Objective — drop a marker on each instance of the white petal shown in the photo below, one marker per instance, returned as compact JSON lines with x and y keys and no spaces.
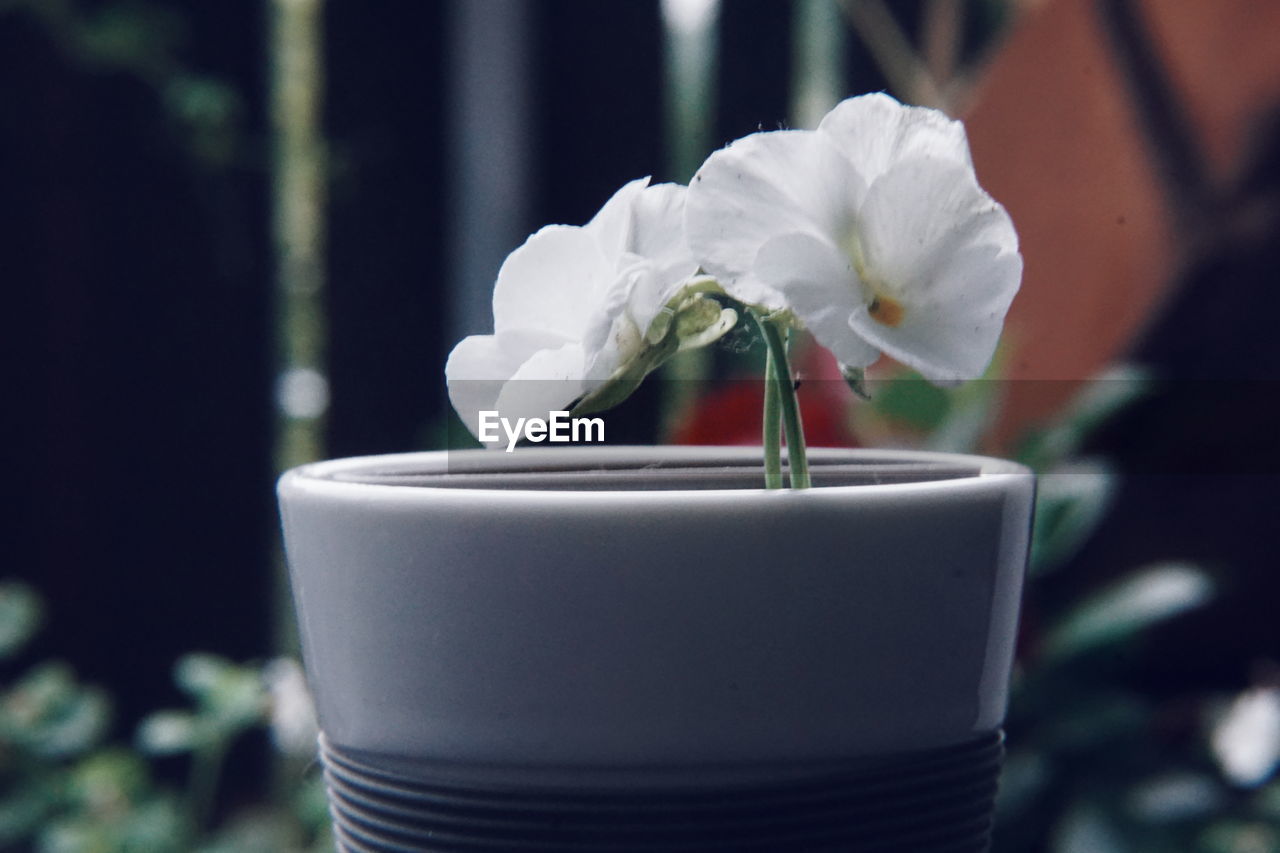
{"x":919,"y":214}
{"x":753,"y":291}
{"x":875,"y":131}
{"x":613,"y":227}
{"x":658,"y":261}
{"x":481,"y":365}
{"x":926,"y":228}
{"x":553,"y":282}
{"x":475,"y":373}
{"x":649,"y":271}
{"x":597,"y":335}
{"x":624,"y":342}
{"x":658,"y":232}
{"x":649,"y":291}
{"x":821,"y":287}
{"x":548,"y":382}
{"x":760,"y":187}
{"x":932,"y":240}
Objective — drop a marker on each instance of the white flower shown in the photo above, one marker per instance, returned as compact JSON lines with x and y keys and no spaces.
{"x":871,"y":230}
{"x":584,"y":313}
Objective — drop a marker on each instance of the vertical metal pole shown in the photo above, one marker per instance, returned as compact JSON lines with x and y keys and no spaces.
{"x":690,"y":57}
{"x":299,"y":203}
{"x":298,"y":229}
{"x":817,"y":60}
{"x":489,"y":151}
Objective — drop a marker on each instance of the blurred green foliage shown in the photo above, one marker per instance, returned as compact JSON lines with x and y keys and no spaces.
{"x":1094,"y":764}
{"x":147,"y":40}
{"x":65,"y":788}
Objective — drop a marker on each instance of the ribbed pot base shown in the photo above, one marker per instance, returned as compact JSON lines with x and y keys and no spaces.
{"x":924,"y":802}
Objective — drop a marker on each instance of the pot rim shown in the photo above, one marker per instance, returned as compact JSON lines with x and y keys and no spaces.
{"x":614,"y":472}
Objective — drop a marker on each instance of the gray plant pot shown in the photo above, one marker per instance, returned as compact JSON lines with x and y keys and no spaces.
{"x":639,"y":649}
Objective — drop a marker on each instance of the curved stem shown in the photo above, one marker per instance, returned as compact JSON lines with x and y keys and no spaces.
{"x":790,"y":409}
{"x":772,"y":436}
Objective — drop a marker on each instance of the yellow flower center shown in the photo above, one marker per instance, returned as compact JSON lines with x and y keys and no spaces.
{"x":886,"y":311}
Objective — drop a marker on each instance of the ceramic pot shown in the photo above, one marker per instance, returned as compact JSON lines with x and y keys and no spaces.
{"x":640,"y":649}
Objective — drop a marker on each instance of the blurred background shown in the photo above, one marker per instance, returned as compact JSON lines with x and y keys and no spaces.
{"x":238,"y":236}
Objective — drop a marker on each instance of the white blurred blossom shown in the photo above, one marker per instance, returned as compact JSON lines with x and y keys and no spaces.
{"x":1246,"y":739}
{"x":292,"y":713}
{"x":302,"y":392}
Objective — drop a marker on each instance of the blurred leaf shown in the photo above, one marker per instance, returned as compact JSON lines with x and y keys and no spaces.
{"x":1139,"y":601}
{"x":1107,"y":394}
{"x":143,"y":39}
{"x":51,"y":715}
{"x":1070,"y":502}
{"x":971,"y":411}
{"x":311,"y":803}
{"x":242,"y":702}
{"x":1023,"y":778}
{"x":230,"y":698}
{"x":154,"y":826}
{"x":1175,"y":797}
{"x":168,"y":732}
{"x":202,"y":100}
{"x":968,"y":418}
{"x":20,"y":616}
{"x":107,"y":801}
{"x":1093,"y":720}
{"x":78,"y":726}
{"x":905,"y":409}
{"x":911,"y":401}
{"x":1268,"y":801}
{"x":109,"y":782}
{"x":1241,"y":837}
{"x":26,"y":808}
{"x":199,"y":674}
{"x":74,"y":836}
{"x":1102,"y":398}
{"x":211,"y":111}
{"x":259,"y":831}
{"x":46,"y":686}
{"x":1086,"y":829}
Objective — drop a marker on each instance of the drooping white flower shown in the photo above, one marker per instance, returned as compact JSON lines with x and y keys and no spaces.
{"x":584,"y":313}
{"x":871,"y":230}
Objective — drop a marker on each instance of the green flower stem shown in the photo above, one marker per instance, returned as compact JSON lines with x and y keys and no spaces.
{"x":772,"y":425}
{"x":786,"y":401}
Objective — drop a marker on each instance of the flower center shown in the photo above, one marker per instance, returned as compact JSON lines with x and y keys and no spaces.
{"x":886,"y":311}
